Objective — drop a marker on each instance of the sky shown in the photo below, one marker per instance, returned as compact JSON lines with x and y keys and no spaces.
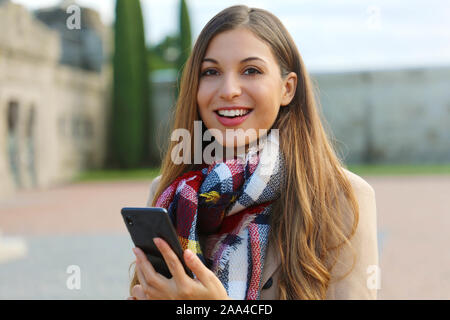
{"x":331,"y":35}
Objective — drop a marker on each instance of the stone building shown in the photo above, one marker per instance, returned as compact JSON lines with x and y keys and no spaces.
{"x":396,"y":116}
{"x":54,"y":89}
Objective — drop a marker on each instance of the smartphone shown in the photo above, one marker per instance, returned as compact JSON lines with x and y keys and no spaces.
{"x":147,"y":223}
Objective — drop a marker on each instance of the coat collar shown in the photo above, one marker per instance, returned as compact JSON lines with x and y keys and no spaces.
{"x":271,"y":263}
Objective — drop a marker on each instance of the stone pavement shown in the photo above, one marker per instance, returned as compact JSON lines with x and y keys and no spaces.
{"x":413,"y":216}
{"x":80,"y":225}
{"x":71,"y":225}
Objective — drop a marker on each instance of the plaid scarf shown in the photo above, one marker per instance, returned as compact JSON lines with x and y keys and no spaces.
{"x":228,"y":205}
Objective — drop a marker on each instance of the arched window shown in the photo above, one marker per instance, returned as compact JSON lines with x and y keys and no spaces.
{"x":30,"y":136}
{"x":13,"y":116}
{"x":29,"y":130}
{"x":13,"y":141}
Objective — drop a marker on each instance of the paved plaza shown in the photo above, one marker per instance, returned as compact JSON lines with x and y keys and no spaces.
{"x":78,"y":227}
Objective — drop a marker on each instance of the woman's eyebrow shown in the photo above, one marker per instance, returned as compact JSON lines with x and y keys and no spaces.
{"x":210,"y":60}
{"x":242,"y":61}
{"x":252,"y":58}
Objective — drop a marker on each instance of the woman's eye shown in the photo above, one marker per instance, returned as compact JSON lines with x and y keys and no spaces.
{"x":251,"y":71}
{"x":209,"y":72}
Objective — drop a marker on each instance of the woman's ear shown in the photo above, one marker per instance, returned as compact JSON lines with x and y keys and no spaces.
{"x":289,"y":87}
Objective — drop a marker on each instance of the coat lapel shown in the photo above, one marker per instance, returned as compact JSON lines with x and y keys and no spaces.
{"x":271,"y":264}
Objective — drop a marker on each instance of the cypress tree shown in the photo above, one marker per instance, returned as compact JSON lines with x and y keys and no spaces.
{"x":142,"y":62}
{"x":130,"y":108}
{"x":184,"y":34}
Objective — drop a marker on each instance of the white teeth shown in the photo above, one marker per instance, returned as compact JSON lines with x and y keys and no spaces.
{"x":233,"y":113}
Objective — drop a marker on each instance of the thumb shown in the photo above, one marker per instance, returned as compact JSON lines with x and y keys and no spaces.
{"x":193,"y":262}
{"x":138,"y":293}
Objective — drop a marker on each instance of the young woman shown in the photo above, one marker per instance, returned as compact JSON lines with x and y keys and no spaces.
{"x":281,"y":220}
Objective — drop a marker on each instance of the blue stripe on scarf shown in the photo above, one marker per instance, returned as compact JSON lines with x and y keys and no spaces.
{"x":250,"y":263}
{"x":262,"y":218}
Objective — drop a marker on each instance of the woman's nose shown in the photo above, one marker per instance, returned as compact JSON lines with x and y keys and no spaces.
{"x":230,"y":87}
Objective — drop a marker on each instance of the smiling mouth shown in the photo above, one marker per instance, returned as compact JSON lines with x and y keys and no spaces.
{"x":233,"y":114}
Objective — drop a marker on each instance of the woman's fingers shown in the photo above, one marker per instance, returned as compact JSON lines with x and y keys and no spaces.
{"x":203,"y":274}
{"x":138,"y":293}
{"x":142,"y":280}
{"x":153,"y":285}
{"x":213,"y":287}
{"x":172,"y":261}
{"x":147,"y":271}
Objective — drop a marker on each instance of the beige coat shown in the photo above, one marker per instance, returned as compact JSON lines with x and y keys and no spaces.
{"x":356,"y":284}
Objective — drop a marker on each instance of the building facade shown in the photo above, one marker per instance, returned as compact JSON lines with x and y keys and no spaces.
{"x":397,"y":116}
{"x":52,"y":110}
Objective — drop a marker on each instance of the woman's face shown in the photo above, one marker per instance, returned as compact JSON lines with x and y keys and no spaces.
{"x":240,"y":74}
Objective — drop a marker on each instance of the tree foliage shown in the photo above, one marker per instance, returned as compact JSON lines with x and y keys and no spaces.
{"x":185,"y":35}
{"x":129,"y":141}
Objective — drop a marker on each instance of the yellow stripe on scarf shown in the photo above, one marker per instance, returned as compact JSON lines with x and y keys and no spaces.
{"x":212,"y":196}
{"x":192,"y":245}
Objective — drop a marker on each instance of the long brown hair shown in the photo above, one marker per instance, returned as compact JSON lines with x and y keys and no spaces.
{"x":310,"y":221}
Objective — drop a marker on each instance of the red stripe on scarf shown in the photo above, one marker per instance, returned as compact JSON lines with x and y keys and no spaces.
{"x":230,"y":222}
{"x":253,"y":289}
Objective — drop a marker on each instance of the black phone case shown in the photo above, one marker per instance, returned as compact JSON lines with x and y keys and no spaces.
{"x":147,"y":223}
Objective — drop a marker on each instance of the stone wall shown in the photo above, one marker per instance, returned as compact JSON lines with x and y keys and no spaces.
{"x":52,"y":116}
{"x":386,"y":116}
{"x":391,"y":116}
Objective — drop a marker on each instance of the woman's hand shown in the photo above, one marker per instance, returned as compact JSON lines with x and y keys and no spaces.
{"x":153,"y":285}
